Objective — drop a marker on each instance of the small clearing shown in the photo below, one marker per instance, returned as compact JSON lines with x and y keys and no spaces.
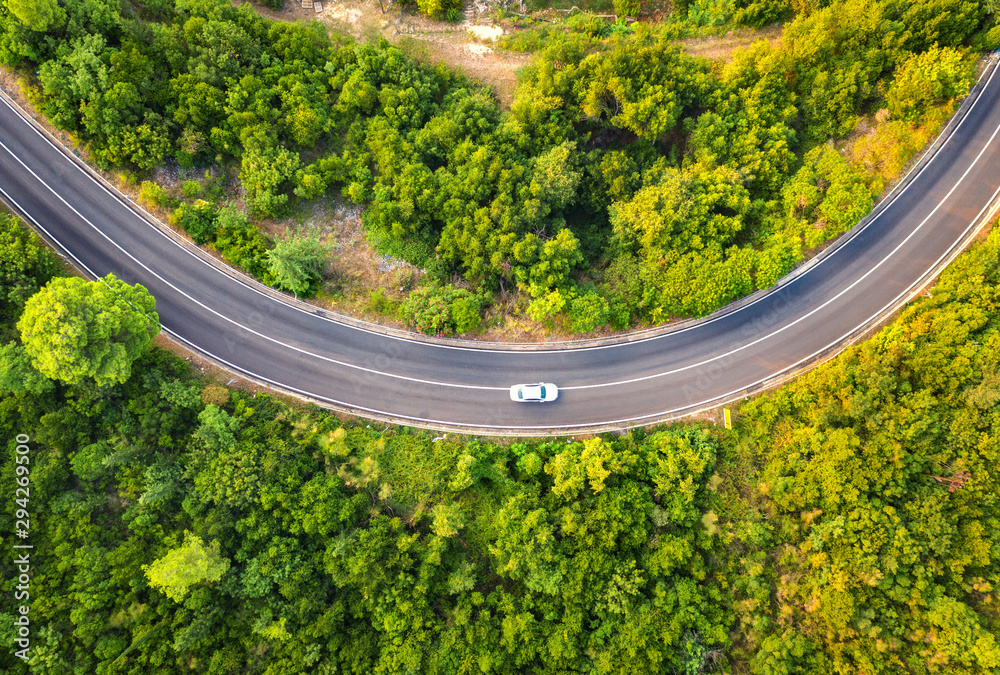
{"x":721,"y":47}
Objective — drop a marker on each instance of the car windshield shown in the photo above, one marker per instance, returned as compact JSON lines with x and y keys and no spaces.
{"x":541,"y":392}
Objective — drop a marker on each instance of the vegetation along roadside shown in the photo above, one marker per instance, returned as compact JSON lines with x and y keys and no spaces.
{"x":629,"y":182}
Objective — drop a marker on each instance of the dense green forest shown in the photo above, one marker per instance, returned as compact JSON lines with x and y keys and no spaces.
{"x":629,"y":182}
{"x":179,"y":526}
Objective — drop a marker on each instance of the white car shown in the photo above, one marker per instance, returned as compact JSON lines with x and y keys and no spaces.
{"x":543,"y":392}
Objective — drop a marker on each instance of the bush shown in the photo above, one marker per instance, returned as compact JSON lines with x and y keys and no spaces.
{"x":937,"y":75}
{"x":265,"y":172}
{"x":618,"y":310}
{"x":437,"y":310}
{"x":465,"y":313}
{"x":587,"y":312}
{"x":191,"y":188}
{"x":380,"y":303}
{"x":762,"y":13}
{"x":776,"y":260}
{"x":588,"y":24}
{"x":710,"y":12}
{"x":627,"y":7}
{"x":243,"y":245}
{"x":992,"y":39}
{"x":548,"y":304}
{"x":881,"y":156}
{"x":438,"y":8}
{"x":151,"y":194}
{"x":198,"y":220}
{"x":827,"y":195}
{"x":297,"y":264}
{"x":428,"y":311}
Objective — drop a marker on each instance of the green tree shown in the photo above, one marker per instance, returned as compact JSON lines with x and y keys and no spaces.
{"x":682,"y":212}
{"x":76,"y":330}
{"x":17,"y":375}
{"x":199,"y":219}
{"x":265,"y":169}
{"x":525,"y":547}
{"x":38,"y":15}
{"x":196,"y":104}
{"x":588,"y":311}
{"x":187,"y":565}
{"x":436,"y":310}
{"x":553,"y":262}
{"x":297,"y":263}
{"x":145,"y":145}
{"x":553,"y":182}
{"x":465,"y":312}
{"x":25,"y":266}
{"x":242,"y":244}
{"x":438,"y":8}
{"x":78,"y":76}
{"x":635,"y":88}
{"x":549,"y":303}
{"x":937,"y":75}
{"x":828,"y":194}
{"x":627,"y":7}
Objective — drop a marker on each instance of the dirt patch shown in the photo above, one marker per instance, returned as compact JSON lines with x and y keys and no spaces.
{"x":348,"y":14}
{"x":479,"y":50}
{"x":721,"y":47}
{"x":485,"y":32}
{"x":355,"y":269}
{"x":712,"y":416}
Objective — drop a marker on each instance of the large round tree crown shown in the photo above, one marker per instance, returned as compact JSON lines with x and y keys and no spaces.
{"x":75,"y":329}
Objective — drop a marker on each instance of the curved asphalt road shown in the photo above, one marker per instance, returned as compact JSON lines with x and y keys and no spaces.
{"x":463,"y":385}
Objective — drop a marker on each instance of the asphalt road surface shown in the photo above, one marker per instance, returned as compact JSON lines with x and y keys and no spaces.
{"x":463,"y":385}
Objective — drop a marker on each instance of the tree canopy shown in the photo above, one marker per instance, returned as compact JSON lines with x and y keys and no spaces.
{"x":189,"y":564}
{"x":297,"y":263}
{"x":38,"y":15}
{"x":76,"y":330}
